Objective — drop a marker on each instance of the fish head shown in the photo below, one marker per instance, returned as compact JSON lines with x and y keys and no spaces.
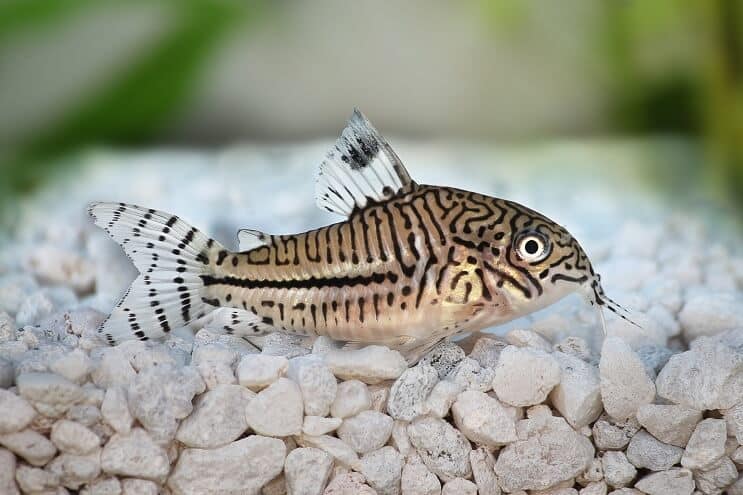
{"x":538,"y":262}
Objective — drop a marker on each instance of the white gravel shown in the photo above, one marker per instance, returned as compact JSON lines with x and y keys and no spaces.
{"x":542,"y":406}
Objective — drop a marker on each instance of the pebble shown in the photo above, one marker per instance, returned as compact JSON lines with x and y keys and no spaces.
{"x":351,"y":398}
{"x":525,"y":376}
{"x":318,"y":425}
{"x":35,"y":480}
{"x":706,"y":377}
{"x":215,"y":363}
{"x":33,"y":447}
{"x":548,"y":452}
{"x":528,"y":338}
{"x":371,"y":364}
{"x":578,"y":395}
{"x":483,"y":471}
{"x":418,"y":480}
{"x":257,"y":371}
{"x":625,"y":385}
{"x":594,"y":488}
{"x":161,"y":396}
{"x":721,"y":474}
{"x":608,"y":434}
{"x":336,"y":447}
{"x":7,"y":473}
{"x":459,"y":486}
{"x":367,"y":431}
{"x":243,"y":466}
{"x":73,"y":438}
{"x":115,"y":410}
{"x":277,"y":411}
{"x":218,"y":418}
{"x":15,"y":412}
{"x":113,"y":369}
{"x":674,"y":481}
{"x":76,"y":470}
{"x":409,"y":392}
{"x":444,"y":357}
{"x":442,"y":396}
{"x":443,"y":449}
{"x":645,"y":451}
{"x":483,"y":419}
{"x":618,"y":472}
{"x":49,"y":393}
{"x":487,"y":351}
{"x":734,"y":418}
{"x":134,"y":486}
{"x":670,"y":423}
{"x":469,"y":375}
{"x":383,"y":470}
{"x":74,"y":365}
{"x":349,"y":484}
{"x":135,"y":455}
{"x":710,"y":313}
{"x":706,"y":445}
{"x":307,"y":471}
{"x":317,"y":383}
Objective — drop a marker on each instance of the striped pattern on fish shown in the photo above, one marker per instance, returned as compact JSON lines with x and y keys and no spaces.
{"x":411,"y":264}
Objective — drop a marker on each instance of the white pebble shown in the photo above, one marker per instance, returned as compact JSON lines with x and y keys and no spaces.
{"x":672,"y":424}
{"x":336,"y":447}
{"x":673,"y":481}
{"x":74,"y":438}
{"x":706,"y":445}
{"x":7,"y":473}
{"x":441,"y":398}
{"x":317,"y":383}
{"x":367,"y":431}
{"x":483,"y":420}
{"x":711,"y":313}
{"x":115,"y":410}
{"x":578,"y":395}
{"x":351,"y":398}
{"x":318,"y":425}
{"x":409,"y":392}
{"x":135,"y":455}
{"x":15,"y":412}
{"x":383,"y":470}
{"x":418,"y":480}
{"x":618,"y":472}
{"x":134,"y":486}
{"x":525,"y":376}
{"x":307,"y":471}
{"x":218,"y":418}
{"x":459,"y":486}
{"x":34,"y":448}
{"x":625,"y":385}
{"x":444,"y":449}
{"x":483,"y":471}
{"x":48,"y":391}
{"x":257,"y":371}
{"x":645,"y":451}
{"x":371,"y":364}
{"x":277,"y":410}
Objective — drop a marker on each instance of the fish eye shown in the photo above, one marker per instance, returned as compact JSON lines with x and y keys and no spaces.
{"x":532,"y":247}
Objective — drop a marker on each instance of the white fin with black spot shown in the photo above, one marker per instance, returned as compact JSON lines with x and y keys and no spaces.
{"x":170,"y":256}
{"x":233,"y":321}
{"x":360,"y":168}
{"x":249,"y":239}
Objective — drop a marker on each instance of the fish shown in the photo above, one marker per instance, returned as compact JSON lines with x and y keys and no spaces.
{"x":408,"y":266}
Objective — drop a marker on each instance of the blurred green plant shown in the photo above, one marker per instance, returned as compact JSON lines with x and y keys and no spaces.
{"x":138,"y":103}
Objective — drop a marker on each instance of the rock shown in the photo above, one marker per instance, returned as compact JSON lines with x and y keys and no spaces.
{"x":409,"y":392}
{"x":307,"y":471}
{"x":674,"y":481}
{"x":74,"y":366}
{"x":671,"y":424}
{"x":74,"y":438}
{"x":625,"y":385}
{"x":317,"y":383}
{"x":160,"y":396}
{"x":610,"y":435}
{"x":383,"y":470}
{"x":7,"y":473}
{"x":483,"y":420}
{"x":241,"y":467}
{"x":469,"y":375}
{"x":618,"y":472}
{"x":336,"y":447}
{"x":459,"y":486}
{"x":594,"y":488}
{"x":444,"y":357}
{"x":113,"y":369}
{"x":371,"y":364}
{"x":734,"y":418}
{"x":277,"y":410}
{"x":483,"y":471}
{"x":418,"y":480}
{"x":525,"y":376}
{"x":367,"y":431}
{"x":443,"y":449}
{"x":50,"y":394}
{"x":134,"y":486}
{"x":7,"y":372}
{"x":709,"y":376}
{"x":351,"y":398}
{"x":218,"y":418}
{"x":115,"y":410}
{"x":54,"y":265}
{"x":578,"y":395}
{"x":75,"y":470}
{"x":135,"y":455}
{"x":710,"y":313}
{"x":575,"y":346}
{"x":654,"y":357}
{"x":706,"y":445}
{"x":528,"y":338}
{"x":721,"y":474}
{"x":31,"y":446}
{"x":442,"y":396}
{"x":7,"y":328}
{"x":257,"y":371}
{"x":215,"y":363}
{"x":349,"y":484}
{"x":645,"y":451}
{"x":549,"y":451}
{"x":487,"y":351}
{"x":15,"y":412}
{"x":286,"y":345}
{"x":34,"y":480}
{"x":379,"y":394}
{"x":317,"y":425}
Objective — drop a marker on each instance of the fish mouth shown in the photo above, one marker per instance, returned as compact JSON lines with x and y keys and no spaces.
{"x":598,"y":298}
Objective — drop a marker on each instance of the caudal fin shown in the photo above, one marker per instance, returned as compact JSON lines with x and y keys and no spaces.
{"x":170,"y":256}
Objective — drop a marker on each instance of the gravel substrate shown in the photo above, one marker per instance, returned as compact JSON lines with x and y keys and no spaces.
{"x":543,"y":406}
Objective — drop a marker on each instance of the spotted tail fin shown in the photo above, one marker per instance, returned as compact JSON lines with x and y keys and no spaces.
{"x":170,"y":256}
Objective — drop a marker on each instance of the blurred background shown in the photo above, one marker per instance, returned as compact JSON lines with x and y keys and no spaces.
{"x":663,"y":75}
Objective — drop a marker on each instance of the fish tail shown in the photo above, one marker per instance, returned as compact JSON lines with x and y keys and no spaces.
{"x":171,"y":256}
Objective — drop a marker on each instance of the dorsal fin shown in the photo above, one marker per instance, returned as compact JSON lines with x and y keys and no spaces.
{"x":250,"y":239}
{"x":361,"y":166}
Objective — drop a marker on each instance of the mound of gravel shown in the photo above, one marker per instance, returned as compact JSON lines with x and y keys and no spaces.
{"x":545,"y":407}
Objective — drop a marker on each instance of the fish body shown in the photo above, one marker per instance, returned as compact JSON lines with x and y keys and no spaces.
{"x":410,"y":265}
